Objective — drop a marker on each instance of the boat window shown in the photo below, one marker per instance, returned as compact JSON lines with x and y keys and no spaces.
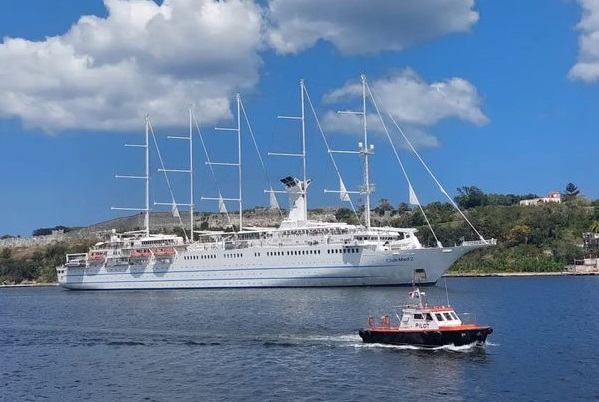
{"x":429,"y":317}
{"x":417,"y":316}
{"x":447,"y":316}
{"x":455,"y":317}
{"x":439,"y":317}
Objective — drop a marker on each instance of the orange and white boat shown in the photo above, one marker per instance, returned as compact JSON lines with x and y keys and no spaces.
{"x":425,"y":326}
{"x":140,"y":253}
{"x":96,"y":257}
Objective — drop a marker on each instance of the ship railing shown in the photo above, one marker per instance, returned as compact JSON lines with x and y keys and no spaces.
{"x":490,"y":242}
{"x":76,"y":256}
{"x":468,"y":318}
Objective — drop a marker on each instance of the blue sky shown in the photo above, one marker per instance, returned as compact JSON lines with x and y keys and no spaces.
{"x":501,"y":95}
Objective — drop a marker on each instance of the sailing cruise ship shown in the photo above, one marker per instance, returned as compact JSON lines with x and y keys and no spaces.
{"x":299,"y":253}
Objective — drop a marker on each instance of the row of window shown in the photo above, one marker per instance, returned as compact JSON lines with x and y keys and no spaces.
{"x":233,"y":255}
{"x":278,"y":253}
{"x":343,"y":250}
{"x":448,"y":316}
{"x":199,"y":257}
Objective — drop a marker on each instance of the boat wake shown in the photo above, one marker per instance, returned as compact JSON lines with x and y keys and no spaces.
{"x":450,"y":348}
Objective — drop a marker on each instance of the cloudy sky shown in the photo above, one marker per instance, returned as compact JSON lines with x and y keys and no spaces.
{"x":500,"y":95}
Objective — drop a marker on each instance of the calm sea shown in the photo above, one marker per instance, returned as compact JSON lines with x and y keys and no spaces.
{"x":295,"y":344}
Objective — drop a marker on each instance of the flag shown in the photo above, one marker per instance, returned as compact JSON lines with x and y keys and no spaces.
{"x":343,"y":195}
{"x":412,"y":196}
{"x":221,"y":204}
{"x":273,"y":200}
{"x":175,"y":211}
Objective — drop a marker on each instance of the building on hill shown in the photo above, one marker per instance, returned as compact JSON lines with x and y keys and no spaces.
{"x":553,"y":196}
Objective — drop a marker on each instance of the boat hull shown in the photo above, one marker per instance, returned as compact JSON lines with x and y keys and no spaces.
{"x":253,"y":267}
{"x":396,"y":336}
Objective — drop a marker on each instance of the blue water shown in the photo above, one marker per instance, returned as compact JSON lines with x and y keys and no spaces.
{"x":295,"y":344}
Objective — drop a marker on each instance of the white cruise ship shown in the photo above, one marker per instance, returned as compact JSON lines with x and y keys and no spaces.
{"x":299,"y":253}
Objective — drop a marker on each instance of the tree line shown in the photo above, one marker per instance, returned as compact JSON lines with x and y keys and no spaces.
{"x":536,"y":238}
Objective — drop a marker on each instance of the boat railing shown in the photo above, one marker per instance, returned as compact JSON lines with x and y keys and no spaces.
{"x":468,"y":318}
{"x":490,"y":242}
{"x":76,"y":256}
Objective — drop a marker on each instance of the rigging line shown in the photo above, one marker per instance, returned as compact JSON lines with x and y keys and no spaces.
{"x":436,"y":181}
{"x":405,"y":173}
{"x":168,"y":182}
{"x":262,"y":164}
{"x":328,"y":148}
{"x":210,"y":164}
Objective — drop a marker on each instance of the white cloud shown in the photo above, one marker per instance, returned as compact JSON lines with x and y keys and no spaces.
{"x":106,"y":73}
{"x":365,"y":27}
{"x":587,"y":66}
{"x":413,"y":103}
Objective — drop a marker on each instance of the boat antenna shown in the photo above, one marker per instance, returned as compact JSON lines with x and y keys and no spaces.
{"x":446,"y":292}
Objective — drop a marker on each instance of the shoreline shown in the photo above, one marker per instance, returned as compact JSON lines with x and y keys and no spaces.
{"x":516,"y":274}
{"x":446,"y":275}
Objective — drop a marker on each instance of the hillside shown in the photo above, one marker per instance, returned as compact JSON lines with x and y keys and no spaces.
{"x":540,"y":238}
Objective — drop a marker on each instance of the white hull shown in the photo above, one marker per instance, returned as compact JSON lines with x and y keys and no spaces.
{"x":260,"y":267}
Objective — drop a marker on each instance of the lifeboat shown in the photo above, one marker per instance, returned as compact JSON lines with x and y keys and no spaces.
{"x":424,"y":326}
{"x":164,"y":252}
{"x":95,"y":258}
{"x":140,"y":253}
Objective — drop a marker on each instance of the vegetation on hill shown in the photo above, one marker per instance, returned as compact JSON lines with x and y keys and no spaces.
{"x":537,"y":238}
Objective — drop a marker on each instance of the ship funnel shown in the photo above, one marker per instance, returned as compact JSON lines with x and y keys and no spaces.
{"x":296,"y":190}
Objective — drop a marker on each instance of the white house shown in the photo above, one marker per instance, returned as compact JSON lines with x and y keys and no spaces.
{"x":553,"y":196}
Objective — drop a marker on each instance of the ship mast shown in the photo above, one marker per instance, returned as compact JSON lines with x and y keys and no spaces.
{"x":365,"y":150}
{"x":303,"y":186}
{"x":239,"y":199}
{"x":189,"y":171}
{"x":146,"y":210}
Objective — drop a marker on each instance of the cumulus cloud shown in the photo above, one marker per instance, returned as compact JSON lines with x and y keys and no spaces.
{"x":414,"y":103}
{"x":106,"y":73}
{"x":365,"y":27}
{"x":587,"y":66}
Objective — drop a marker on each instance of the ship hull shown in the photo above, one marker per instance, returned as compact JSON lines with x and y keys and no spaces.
{"x":456,"y":337}
{"x":259,"y":267}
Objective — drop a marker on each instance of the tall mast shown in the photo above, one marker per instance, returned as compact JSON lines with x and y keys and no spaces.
{"x":146,"y":210}
{"x":302,"y":190}
{"x":303,"y":118}
{"x":365,"y":151}
{"x":191,"y":200}
{"x":189,"y":171}
{"x":239,"y":199}
{"x":238,"y":97}
{"x":147,"y":152}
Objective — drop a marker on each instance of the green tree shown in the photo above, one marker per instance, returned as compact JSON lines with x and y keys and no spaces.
{"x":382,"y":207}
{"x":571,"y":192}
{"x":594,"y":226}
{"x":470,"y":197}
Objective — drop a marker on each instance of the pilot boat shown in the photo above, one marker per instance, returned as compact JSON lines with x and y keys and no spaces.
{"x":424,"y":326}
